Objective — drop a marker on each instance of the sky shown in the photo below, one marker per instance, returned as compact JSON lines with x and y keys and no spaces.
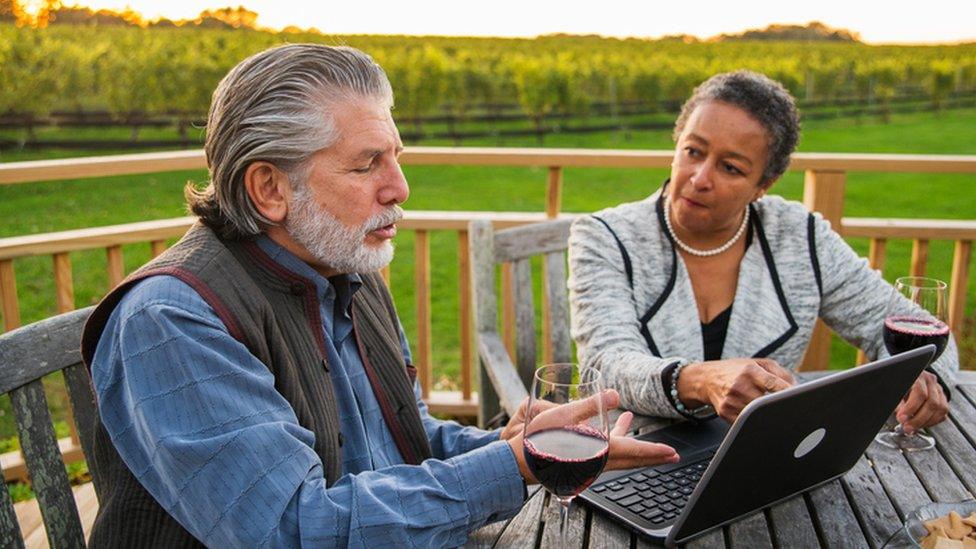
{"x":931,"y":21}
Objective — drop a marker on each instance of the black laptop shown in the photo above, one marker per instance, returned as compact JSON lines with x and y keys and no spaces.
{"x":781,"y":444}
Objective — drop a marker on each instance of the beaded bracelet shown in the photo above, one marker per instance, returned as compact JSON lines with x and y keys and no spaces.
{"x":677,"y":401}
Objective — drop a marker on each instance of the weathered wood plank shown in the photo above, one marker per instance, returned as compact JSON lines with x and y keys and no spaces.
{"x":85,"y":410}
{"x":525,"y":343}
{"x":898,"y":478}
{"x":557,"y":298}
{"x":115,"y":265}
{"x":501,"y":373}
{"x":834,"y":518}
{"x":529,"y":240}
{"x":157,"y":247}
{"x":50,"y":482}
{"x":576,"y":526}
{"x":920,"y":257}
{"x":607,"y":534}
{"x":33,"y":351}
{"x":523,"y":530}
{"x":792,"y":525}
{"x":873,"y":507}
{"x":953,"y":443}
{"x":938,"y":478}
{"x":10,"y":534}
{"x":750,"y":532}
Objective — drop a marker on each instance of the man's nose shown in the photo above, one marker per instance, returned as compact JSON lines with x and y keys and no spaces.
{"x":395,"y":189}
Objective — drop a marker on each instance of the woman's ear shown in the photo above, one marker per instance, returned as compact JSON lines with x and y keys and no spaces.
{"x":269,"y":190}
{"x":763,"y":189}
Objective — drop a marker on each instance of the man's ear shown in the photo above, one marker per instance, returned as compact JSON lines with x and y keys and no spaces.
{"x":269,"y":190}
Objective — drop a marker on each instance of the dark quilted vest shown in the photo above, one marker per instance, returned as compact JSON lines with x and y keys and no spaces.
{"x":275,"y":314}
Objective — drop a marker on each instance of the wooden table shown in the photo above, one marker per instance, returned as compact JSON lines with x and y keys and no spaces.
{"x":862,"y":509}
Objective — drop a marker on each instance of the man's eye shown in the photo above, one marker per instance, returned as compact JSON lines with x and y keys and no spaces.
{"x":692,"y":152}
{"x":364,"y":169}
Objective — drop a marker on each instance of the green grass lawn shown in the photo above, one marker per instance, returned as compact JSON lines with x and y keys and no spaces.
{"x":52,"y":206}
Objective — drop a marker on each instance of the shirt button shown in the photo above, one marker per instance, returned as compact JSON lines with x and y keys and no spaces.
{"x":341,"y":440}
{"x":325,"y":364}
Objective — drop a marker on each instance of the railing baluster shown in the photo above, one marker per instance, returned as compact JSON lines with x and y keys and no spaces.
{"x":876,"y":259}
{"x":63,"y":285}
{"x":553,"y":205}
{"x":823,"y":191}
{"x":464,"y":310}
{"x":920,"y":256}
{"x":422,"y":282}
{"x":157,"y":247}
{"x":385,"y":273}
{"x":959,"y":284}
{"x":8,"y":294}
{"x":115,"y":267}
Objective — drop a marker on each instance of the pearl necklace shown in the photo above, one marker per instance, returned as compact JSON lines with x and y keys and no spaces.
{"x":695,"y":251}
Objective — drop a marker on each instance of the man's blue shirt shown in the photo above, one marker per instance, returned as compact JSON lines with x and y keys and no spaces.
{"x":197,"y":419}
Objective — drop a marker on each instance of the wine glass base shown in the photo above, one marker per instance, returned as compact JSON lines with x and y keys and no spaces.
{"x":907,"y":443}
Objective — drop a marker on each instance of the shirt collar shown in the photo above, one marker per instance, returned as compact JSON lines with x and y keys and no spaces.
{"x":344,"y":285}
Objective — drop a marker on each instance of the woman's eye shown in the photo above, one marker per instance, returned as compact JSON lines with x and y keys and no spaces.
{"x":732,"y":169}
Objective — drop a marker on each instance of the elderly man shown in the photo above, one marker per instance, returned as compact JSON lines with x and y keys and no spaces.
{"x":254,"y":383}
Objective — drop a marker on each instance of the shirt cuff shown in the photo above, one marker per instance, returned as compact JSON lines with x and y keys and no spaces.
{"x":494,"y":487}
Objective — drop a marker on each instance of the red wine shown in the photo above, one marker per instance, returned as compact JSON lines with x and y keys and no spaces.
{"x":904,"y":333}
{"x":566,"y":460}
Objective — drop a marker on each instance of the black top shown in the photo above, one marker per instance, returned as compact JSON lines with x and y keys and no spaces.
{"x":713,"y":335}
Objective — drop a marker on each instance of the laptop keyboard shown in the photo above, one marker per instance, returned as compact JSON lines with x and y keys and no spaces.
{"x":655,"y":496}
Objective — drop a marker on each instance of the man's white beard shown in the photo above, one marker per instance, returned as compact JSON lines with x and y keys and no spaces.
{"x":332,"y":243}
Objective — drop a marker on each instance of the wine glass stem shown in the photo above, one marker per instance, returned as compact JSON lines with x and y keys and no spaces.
{"x":564,"y":521}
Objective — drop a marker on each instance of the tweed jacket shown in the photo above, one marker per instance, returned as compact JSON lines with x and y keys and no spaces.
{"x":632,"y":319}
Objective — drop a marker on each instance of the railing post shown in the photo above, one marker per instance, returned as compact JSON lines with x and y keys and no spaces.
{"x":422,"y":281}
{"x":554,"y":190}
{"x":464,"y":306}
{"x":8,"y":294}
{"x":823,"y":191}
{"x":959,"y":285}
{"x":920,"y":256}
{"x":63,"y":285}
{"x":876,"y":259}
{"x":508,"y":309}
{"x":157,"y":247}
{"x":115,"y":267}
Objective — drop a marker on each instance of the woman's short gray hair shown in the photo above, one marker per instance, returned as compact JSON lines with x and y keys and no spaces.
{"x":276,"y":106}
{"x":765,"y":100}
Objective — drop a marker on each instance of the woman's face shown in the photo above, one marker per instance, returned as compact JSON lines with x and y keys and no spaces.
{"x":718,"y":163}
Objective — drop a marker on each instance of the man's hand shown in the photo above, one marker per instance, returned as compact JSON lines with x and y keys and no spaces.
{"x":624,"y":453}
{"x":924,"y":406}
{"x":729,"y":385}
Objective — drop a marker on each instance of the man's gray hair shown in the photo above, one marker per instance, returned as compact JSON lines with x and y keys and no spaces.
{"x":765,"y":100}
{"x":276,"y":106}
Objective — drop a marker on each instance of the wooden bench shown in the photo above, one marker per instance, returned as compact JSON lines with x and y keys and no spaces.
{"x":26,"y":355}
{"x":504,"y":378}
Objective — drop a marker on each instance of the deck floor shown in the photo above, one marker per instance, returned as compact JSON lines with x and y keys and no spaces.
{"x":32,"y":527}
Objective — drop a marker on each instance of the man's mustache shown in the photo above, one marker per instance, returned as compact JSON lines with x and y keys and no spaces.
{"x":388,"y":217}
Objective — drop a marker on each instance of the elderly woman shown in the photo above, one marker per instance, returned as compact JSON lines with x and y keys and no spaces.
{"x":703,"y":296}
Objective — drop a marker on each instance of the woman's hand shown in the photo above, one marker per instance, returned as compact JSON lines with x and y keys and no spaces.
{"x":625,"y":452}
{"x":729,"y":385}
{"x":924,"y":406}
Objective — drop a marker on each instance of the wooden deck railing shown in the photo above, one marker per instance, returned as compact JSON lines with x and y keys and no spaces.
{"x":824,"y":184}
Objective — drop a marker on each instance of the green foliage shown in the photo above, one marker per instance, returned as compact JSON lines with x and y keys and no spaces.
{"x":164,"y":69}
{"x":20,"y":491}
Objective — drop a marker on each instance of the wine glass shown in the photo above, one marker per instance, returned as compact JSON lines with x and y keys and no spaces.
{"x":916,"y":316}
{"x":566,"y":436}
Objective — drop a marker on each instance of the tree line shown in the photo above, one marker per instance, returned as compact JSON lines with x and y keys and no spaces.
{"x":156,"y":70}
